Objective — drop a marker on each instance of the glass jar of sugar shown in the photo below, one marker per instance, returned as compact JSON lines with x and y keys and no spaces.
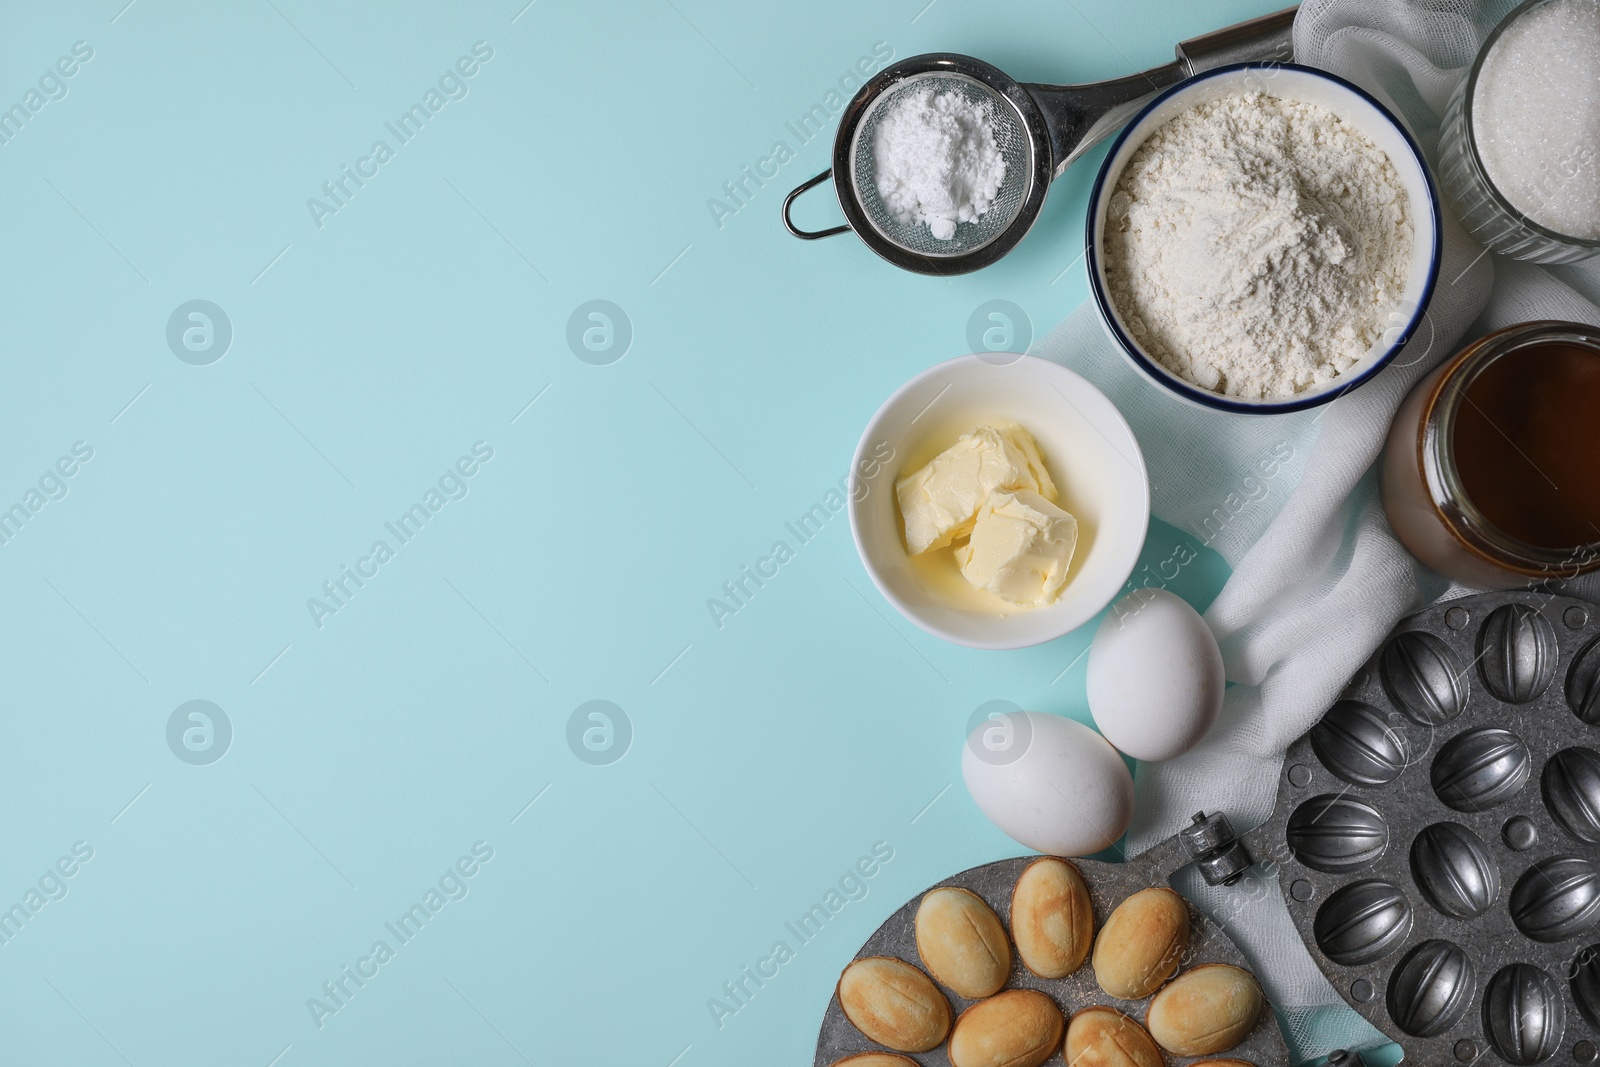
{"x":1519,"y":152}
{"x":1489,"y":470}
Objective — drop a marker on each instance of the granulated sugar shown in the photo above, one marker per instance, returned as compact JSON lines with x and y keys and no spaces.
{"x":936,"y":161}
{"x":1258,"y":246}
{"x":1536,"y":116}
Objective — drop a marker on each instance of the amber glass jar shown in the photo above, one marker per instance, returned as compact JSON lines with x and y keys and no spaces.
{"x":1491,"y":475}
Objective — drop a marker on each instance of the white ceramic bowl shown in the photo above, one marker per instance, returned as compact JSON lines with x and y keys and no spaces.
{"x":1088,"y":448}
{"x":1350,"y":104}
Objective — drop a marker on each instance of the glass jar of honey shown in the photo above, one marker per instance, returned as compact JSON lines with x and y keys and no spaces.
{"x":1491,"y":475}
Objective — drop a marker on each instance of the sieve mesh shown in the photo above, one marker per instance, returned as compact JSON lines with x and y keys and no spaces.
{"x":1010,"y":135}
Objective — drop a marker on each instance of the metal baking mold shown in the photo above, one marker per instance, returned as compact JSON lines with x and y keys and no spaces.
{"x":1424,"y":678}
{"x":1524,"y":1014}
{"x":1557,"y":899}
{"x":1571,"y":788}
{"x":1473,"y":737}
{"x":1432,"y":988}
{"x":1517,"y":653}
{"x":1586,"y":984}
{"x":1363,"y":922}
{"x":1109,"y":884}
{"x":1359,"y":745}
{"x":1336,"y":834}
{"x":1480,"y":769}
{"x":1583,"y":684}
{"x":1454,"y":870}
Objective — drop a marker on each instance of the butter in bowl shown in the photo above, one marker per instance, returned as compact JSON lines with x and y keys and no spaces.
{"x":990,"y":499}
{"x":999,"y":504}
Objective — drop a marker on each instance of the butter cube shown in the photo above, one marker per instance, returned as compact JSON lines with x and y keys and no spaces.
{"x":940,"y":501}
{"x":1020,"y":548}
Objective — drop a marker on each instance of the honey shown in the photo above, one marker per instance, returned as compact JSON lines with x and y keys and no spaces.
{"x":1527,"y":445}
{"x":1492,"y":471}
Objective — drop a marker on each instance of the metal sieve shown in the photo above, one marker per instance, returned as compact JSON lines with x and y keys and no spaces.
{"x":1010,"y":138}
{"x":1039,"y":129}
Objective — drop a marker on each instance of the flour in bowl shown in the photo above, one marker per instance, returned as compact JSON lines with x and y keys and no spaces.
{"x":1257,"y":246}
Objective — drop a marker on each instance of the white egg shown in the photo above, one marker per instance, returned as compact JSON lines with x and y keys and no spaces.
{"x":1049,"y":782}
{"x":1155,"y":676}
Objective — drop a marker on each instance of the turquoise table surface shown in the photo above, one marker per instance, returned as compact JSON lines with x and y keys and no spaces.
{"x":365,"y":697}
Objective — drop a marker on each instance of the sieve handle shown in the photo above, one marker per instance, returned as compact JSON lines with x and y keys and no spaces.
{"x":788,"y":223}
{"x":1263,"y":40}
{"x":1081,"y":116}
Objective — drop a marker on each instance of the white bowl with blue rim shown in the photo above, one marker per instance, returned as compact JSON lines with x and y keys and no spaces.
{"x":1354,"y":106}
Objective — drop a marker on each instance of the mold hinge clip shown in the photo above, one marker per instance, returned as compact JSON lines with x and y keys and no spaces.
{"x":1345,"y":1058}
{"x":1211,"y":842}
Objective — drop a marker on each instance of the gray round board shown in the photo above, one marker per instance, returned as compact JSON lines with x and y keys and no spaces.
{"x":1109,"y":884}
